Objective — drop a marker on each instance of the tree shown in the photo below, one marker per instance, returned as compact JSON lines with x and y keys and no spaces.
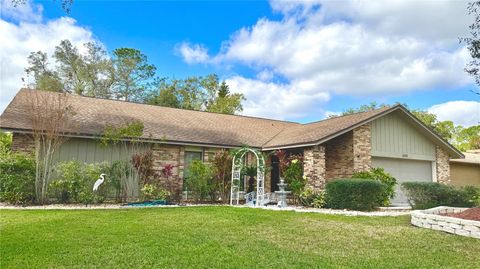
{"x":445,"y":129}
{"x":473,"y":43}
{"x":45,"y":78}
{"x":197,"y":93}
{"x":51,"y":117}
{"x":132,"y":74}
{"x":468,"y":138}
{"x":364,"y":108}
{"x":91,"y":74}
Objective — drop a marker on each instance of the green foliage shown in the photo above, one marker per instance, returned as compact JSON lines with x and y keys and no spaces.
{"x":17,"y":178}
{"x":309,"y":198}
{"x":422,"y":195}
{"x":293,"y":176}
{"x":132,"y":73}
{"x":362,"y":108}
{"x":73,"y":182}
{"x":249,"y":170}
{"x":118,"y":174}
{"x":197,"y":93}
{"x":468,"y":138}
{"x":115,"y":134}
{"x":88,"y":74}
{"x":355,"y":194}
{"x":5,"y":142}
{"x":200,"y":180}
{"x":152,"y":192}
{"x":382,"y":176}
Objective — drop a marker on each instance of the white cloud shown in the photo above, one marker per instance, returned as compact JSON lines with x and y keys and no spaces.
{"x":193,"y":54}
{"x":360,"y":48}
{"x":27,"y":11}
{"x":276,"y":100}
{"x":465,"y":113}
{"x":19,"y":39}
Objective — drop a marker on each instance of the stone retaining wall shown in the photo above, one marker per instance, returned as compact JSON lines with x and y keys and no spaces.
{"x":431,"y":219}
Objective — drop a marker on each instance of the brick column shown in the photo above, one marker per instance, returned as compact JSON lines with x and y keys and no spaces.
{"x":362,"y":148}
{"x":443,"y":166}
{"x":169,"y":154}
{"x":314,"y":166}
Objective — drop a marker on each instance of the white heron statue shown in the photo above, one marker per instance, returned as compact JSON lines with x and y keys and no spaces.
{"x":99,"y":182}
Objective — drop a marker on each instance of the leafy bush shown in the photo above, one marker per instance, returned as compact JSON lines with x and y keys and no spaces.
{"x":293,"y":176}
{"x":200,"y":180}
{"x":17,"y":178}
{"x":152,"y":192}
{"x":382,"y":176}
{"x":309,"y":198}
{"x":319,"y":200}
{"x":422,"y":195}
{"x":73,"y":182}
{"x":355,"y":194}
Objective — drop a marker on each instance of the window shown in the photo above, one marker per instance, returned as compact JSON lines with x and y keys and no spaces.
{"x":190,"y":156}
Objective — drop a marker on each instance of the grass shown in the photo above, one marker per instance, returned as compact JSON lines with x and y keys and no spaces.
{"x":223,"y":237}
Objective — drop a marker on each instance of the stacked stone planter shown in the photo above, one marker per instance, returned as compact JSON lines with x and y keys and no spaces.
{"x":431,"y":219}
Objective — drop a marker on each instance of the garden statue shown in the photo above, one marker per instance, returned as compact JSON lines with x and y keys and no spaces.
{"x":99,"y":182}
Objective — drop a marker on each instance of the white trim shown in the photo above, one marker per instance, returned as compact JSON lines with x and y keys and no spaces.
{"x":434,"y":171}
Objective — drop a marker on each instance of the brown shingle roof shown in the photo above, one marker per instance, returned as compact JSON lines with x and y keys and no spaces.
{"x":194,"y":127}
{"x":317,"y":131}
{"x":162,"y":123}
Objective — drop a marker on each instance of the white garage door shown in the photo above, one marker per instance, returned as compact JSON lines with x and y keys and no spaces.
{"x":404,"y":170}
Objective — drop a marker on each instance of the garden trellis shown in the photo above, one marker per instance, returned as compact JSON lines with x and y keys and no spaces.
{"x":237,"y":165}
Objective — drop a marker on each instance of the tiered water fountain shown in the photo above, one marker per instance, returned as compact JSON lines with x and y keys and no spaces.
{"x":282,"y":194}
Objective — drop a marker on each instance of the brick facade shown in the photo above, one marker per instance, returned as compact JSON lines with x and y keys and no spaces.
{"x":442,"y":166}
{"x":314,"y":166}
{"x":23,"y":143}
{"x":339,"y":157}
{"x":349,"y":153}
{"x":362,"y":148}
{"x":169,"y":154}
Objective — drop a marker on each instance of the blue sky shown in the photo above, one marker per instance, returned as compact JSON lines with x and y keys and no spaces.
{"x":294,"y":60}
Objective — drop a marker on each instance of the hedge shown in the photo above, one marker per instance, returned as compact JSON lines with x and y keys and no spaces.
{"x":422,"y":195}
{"x":355,"y":194}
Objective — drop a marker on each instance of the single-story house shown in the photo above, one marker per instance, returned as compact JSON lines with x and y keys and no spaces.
{"x":466,"y":171}
{"x":389,"y":137}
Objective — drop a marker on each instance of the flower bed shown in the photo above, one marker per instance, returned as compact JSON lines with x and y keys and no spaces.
{"x":441,"y":218}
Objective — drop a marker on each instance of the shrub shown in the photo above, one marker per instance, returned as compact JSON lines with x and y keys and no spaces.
{"x":355,"y":194}
{"x":382,"y":176}
{"x":152,"y":192}
{"x":118,"y":175}
{"x":200,"y":180}
{"x":293,"y":176}
{"x":17,"y":178}
{"x":422,"y":195}
{"x":309,"y":198}
{"x":73,"y":182}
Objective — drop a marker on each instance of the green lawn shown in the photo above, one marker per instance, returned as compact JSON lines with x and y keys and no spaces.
{"x":223,"y":237}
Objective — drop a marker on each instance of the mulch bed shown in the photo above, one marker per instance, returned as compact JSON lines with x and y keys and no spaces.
{"x":470,"y":214}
